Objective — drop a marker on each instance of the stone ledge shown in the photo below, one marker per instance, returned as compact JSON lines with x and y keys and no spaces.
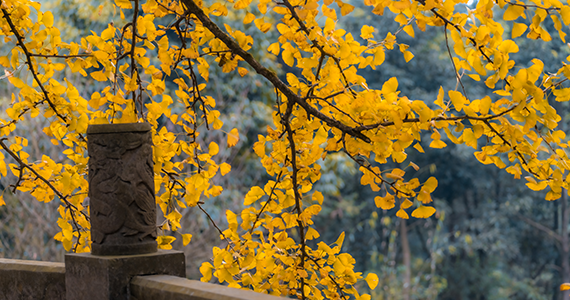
{"x":164,"y":287}
{"x":33,"y":280}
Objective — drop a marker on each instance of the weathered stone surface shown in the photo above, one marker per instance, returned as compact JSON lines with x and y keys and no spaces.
{"x":163,"y":287}
{"x":121,"y":189}
{"x":31,"y":280}
{"x":91,"y":277}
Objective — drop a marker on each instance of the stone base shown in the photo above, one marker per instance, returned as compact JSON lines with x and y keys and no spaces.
{"x":89,"y":276}
{"x":123,"y":249}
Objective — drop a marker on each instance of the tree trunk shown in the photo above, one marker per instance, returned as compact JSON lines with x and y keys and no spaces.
{"x":565,"y":244}
{"x":407,"y":259}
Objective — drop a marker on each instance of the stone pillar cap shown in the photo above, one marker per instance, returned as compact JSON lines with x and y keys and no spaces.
{"x":118,"y":128}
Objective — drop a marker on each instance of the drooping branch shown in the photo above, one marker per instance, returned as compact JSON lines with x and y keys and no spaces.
{"x":33,"y":70}
{"x":317,"y":45}
{"x":440,"y":118}
{"x":366,"y":165}
{"x":343,"y":296}
{"x":453,"y":63}
{"x":268,"y":200}
{"x":134,"y":69}
{"x":286,"y":121}
{"x":457,"y":118}
{"x":30,"y":64}
{"x":458,"y":28}
{"x":73,"y":210}
{"x":527,"y":6}
{"x":271,"y":76}
{"x":60,"y":56}
{"x":172,"y":177}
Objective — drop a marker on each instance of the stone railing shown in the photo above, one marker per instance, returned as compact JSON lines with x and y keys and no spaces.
{"x":124,"y":263}
{"x":28,"y":279}
{"x":38,"y":280}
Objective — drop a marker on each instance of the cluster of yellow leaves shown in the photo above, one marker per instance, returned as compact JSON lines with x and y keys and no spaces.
{"x":325,"y":107}
{"x":516,"y":122}
{"x":122,"y":62}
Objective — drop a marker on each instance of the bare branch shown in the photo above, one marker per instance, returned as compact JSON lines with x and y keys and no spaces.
{"x":541,"y":227}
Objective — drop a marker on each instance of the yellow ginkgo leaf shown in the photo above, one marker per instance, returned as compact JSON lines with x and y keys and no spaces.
{"x":311,"y":234}
{"x":98,"y":75}
{"x":535,"y":185}
{"x":423,"y":212}
{"x":253,"y":195}
{"x":367,"y":32}
{"x":165,"y":241}
{"x":213,"y":149}
{"x":249,"y":17}
{"x":386,"y":202}
{"x":402,"y":214}
{"x":406,"y":204}
{"x":437,"y":144}
{"x":430,"y":184}
{"x":225,"y":168}
{"x":242,"y":71}
{"x":424,"y":197}
{"x":233,"y":137}
{"x":206,"y":270}
{"x":518,"y":29}
{"x":126,"y":4}
{"x":513,"y":12}
{"x":565,"y":286}
{"x":47,"y":19}
{"x":372,"y":280}
{"x":232,"y":219}
{"x":457,"y":99}
{"x":17,"y":82}
{"x":418,"y":147}
{"x":274,"y":48}
{"x":345,"y":9}
{"x":186,"y":238}
{"x":565,"y":14}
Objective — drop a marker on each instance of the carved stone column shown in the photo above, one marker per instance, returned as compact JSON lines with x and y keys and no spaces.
{"x":121,"y":189}
{"x":123,"y":217}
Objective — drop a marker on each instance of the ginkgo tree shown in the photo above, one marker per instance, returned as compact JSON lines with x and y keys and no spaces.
{"x":321,"y":107}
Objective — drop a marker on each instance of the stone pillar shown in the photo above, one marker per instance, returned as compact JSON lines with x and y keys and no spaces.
{"x":123,"y":217}
{"x":121,"y":189}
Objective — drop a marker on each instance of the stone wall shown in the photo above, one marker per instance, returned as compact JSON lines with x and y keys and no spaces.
{"x":28,"y":279}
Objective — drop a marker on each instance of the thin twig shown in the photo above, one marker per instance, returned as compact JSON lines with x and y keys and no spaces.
{"x":268,"y":200}
{"x":453,"y":62}
{"x":60,"y":56}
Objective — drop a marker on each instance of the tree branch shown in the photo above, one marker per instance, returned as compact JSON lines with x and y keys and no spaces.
{"x":541,"y":227}
{"x":269,"y":75}
{"x":22,"y":45}
{"x":72,"y":208}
